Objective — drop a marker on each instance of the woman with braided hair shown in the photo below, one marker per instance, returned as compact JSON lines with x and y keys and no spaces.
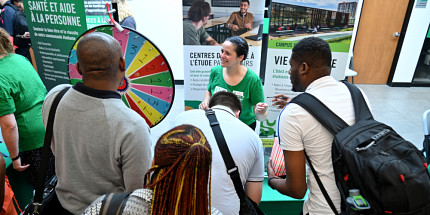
{"x":177,"y":183}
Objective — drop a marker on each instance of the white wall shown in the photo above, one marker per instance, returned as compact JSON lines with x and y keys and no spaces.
{"x":161,"y":22}
{"x":412,"y":45}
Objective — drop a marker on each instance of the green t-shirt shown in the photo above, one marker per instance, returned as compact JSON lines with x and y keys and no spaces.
{"x":193,"y":36}
{"x":22,"y":93}
{"x":249,"y":91}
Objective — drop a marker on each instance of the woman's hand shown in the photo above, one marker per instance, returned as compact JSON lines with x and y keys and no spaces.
{"x":17,"y":165}
{"x":261,"y":108}
{"x":204,"y":105}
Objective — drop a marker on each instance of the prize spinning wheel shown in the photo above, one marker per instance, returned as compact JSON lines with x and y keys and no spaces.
{"x":148,"y":85}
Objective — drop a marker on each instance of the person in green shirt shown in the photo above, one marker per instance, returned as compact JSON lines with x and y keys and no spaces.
{"x":21,"y":98}
{"x":234,"y":77}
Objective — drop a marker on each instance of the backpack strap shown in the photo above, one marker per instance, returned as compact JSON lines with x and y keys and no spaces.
{"x":320,"y":112}
{"x":114,"y":203}
{"x":40,"y":182}
{"x":232,"y":169}
{"x":362,"y":111}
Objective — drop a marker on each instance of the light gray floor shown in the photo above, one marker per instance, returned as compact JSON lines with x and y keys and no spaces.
{"x":399,"y":107}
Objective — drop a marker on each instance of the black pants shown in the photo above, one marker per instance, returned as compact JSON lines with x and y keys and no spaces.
{"x":34,"y":157}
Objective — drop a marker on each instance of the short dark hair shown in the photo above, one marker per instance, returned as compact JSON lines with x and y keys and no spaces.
{"x":15,"y":1}
{"x":227,"y":99}
{"x":242,"y":47}
{"x":245,"y":1}
{"x":312,"y":50}
{"x":199,"y":10}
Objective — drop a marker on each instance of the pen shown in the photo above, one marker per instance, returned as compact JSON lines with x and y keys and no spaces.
{"x":281,"y":97}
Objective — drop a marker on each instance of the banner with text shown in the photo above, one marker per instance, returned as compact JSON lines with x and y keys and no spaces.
{"x":95,"y":11}
{"x":291,"y":21}
{"x":200,"y":58}
{"x":54,"y":25}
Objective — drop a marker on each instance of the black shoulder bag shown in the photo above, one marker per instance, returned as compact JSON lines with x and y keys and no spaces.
{"x":247,"y":206}
{"x":45,"y":199}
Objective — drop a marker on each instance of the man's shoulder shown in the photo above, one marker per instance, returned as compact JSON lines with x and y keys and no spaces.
{"x":56,"y":89}
{"x":187,"y":24}
{"x":10,"y":8}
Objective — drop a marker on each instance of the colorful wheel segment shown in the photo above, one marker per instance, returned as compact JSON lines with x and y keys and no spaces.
{"x":148,"y":85}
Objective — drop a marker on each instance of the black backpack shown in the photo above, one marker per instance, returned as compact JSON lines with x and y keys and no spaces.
{"x":20,"y":26}
{"x":372,"y":161}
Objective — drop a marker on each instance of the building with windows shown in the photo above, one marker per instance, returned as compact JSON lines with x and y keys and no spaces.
{"x":294,"y":16}
{"x":348,"y":7}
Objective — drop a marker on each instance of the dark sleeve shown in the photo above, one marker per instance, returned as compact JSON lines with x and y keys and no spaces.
{"x":8,"y":16}
{"x":129,"y":22}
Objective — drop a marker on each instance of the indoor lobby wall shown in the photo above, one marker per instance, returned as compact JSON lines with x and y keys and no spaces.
{"x":412,"y":44}
{"x":161,"y":22}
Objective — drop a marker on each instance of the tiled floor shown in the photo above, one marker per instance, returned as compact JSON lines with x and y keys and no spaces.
{"x":399,"y":107}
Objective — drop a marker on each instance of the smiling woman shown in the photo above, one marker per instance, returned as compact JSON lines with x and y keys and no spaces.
{"x":233,"y":76}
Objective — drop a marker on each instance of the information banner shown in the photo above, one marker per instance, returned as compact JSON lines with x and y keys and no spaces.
{"x":291,"y":21}
{"x":54,"y":25}
{"x":95,"y":11}
{"x":199,"y":59}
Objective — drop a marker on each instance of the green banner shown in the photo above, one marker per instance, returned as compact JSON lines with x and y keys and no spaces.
{"x":54,"y":25}
{"x":335,"y":46}
{"x":95,"y":10}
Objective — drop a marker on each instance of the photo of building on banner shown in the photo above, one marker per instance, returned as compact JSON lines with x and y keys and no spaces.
{"x":291,"y":21}
{"x":203,"y":36}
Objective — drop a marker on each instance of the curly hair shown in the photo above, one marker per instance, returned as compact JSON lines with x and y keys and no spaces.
{"x":199,"y":10}
{"x":6,"y":46}
{"x":312,"y":50}
{"x":181,"y":172}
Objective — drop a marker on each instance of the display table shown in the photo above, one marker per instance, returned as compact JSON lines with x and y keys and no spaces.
{"x":274,"y":203}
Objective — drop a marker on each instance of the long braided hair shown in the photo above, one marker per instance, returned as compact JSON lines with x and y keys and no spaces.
{"x":181,"y":172}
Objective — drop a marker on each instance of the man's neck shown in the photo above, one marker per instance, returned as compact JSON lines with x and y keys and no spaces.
{"x":100,"y":85}
{"x":243,"y":14}
{"x":198,"y":24}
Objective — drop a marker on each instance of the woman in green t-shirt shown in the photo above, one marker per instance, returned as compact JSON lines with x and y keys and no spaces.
{"x":234,"y":77}
{"x":21,"y":97}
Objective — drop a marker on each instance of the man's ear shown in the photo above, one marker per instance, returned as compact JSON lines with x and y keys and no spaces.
{"x":78,"y":68}
{"x":236,"y":113}
{"x":304,"y":68}
{"x":122,"y":64}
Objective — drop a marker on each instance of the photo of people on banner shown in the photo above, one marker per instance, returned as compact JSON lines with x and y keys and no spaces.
{"x":291,"y":21}
{"x":210,"y":29}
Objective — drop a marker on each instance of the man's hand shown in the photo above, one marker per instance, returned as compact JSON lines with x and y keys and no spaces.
{"x":235,"y":27}
{"x":270,"y":171}
{"x":280,"y":100}
{"x":26,"y":35}
{"x":17,"y":165}
{"x":248,"y":26}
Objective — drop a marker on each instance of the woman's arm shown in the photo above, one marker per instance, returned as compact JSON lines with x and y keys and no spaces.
{"x":205,"y":103}
{"x":9,"y":131}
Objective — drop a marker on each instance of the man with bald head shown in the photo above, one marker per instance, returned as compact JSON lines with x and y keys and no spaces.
{"x":100,"y":145}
